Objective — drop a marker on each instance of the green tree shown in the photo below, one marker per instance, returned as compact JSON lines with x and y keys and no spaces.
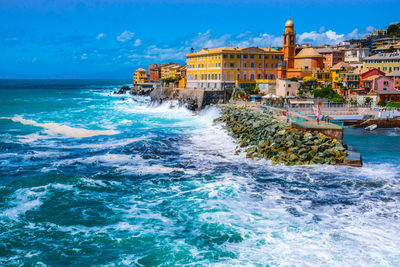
{"x":251,"y":89}
{"x":367,"y":100}
{"x":393,"y":30}
{"x":382,"y":103}
{"x":309,"y":82}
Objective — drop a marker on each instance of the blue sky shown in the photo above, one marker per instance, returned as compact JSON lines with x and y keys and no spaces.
{"x":109,"y":39}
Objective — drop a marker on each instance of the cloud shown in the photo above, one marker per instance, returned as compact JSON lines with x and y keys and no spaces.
{"x":329,"y":37}
{"x":100,"y":35}
{"x":261,"y":40}
{"x":356,"y":34}
{"x":205,"y":40}
{"x":137,"y":43}
{"x":125,"y":36}
{"x":84,"y":56}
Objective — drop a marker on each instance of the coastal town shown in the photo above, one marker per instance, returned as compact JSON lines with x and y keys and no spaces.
{"x":356,"y":73}
{"x":300,"y":87}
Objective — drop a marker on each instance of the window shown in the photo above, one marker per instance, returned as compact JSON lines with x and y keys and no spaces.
{"x":266,"y":56}
{"x":238,"y":76}
{"x":232,"y":56}
{"x":219,"y":76}
{"x":259,"y":56}
{"x":252,"y":65}
{"x":224,"y":64}
{"x":212,"y":76}
{"x":238,"y":56}
{"x":259,"y":76}
{"x":209,"y":76}
{"x":266,"y":65}
{"x":265,"y":76}
{"x":251,"y":76}
{"x":251,"y":56}
{"x":224,"y":56}
{"x":259,"y":65}
{"x":244,"y":56}
{"x":271,"y":76}
{"x":245,"y":76}
{"x":245,"y":65}
{"x":232,"y":65}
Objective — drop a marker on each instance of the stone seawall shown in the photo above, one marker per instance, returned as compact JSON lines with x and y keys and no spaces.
{"x":263,"y":136}
{"x":193,"y":99}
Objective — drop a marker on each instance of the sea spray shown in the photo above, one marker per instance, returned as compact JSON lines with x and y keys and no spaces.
{"x":263,"y":136}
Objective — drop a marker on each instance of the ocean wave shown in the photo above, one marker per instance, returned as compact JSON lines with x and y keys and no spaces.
{"x":56,"y":129}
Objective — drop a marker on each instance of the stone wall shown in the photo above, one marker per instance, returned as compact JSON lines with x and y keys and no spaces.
{"x":193,"y":99}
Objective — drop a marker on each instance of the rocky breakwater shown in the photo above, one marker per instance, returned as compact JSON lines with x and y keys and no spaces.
{"x":263,"y":136}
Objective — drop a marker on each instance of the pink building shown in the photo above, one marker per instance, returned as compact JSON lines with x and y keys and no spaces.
{"x":382,"y":83}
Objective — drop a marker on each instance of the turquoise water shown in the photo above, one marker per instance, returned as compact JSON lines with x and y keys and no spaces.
{"x":87,"y":179}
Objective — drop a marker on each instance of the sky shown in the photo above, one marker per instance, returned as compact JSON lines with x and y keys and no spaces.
{"x":106,"y":39}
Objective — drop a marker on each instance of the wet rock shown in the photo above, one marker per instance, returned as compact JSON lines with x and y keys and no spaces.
{"x":263,"y":136}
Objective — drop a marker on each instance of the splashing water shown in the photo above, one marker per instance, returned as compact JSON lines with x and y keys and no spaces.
{"x":132,"y":184}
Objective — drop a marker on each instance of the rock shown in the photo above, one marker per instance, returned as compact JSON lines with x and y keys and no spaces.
{"x":263,"y":136}
{"x":122,"y":90}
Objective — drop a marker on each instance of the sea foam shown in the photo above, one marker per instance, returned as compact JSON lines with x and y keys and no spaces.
{"x":53,"y":128}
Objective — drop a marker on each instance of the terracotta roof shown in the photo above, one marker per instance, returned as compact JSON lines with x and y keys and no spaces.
{"x":371,"y":78}
{"x":308,"y":52}
{"x":341,"y":65}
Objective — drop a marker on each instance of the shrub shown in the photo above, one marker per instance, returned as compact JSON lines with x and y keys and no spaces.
{"x":382,"y":103}
{"x":251,"y":89}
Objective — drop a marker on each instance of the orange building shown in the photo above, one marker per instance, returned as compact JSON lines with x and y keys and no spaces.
{"x":301,"y":65}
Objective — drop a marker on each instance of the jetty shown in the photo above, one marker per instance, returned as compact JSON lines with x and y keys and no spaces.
{"x":331,"y":128}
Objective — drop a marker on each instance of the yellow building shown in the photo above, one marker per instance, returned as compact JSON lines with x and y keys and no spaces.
{"x":323,"y":76}
{"x":139,"y":76}
{"x":175,"y":71}
{"x":166,"y":69}
{"x":226,"y":66}
{"x":386,"y":62}
{"x":338,"y":74}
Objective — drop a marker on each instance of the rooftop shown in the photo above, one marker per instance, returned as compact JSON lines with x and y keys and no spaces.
{"x":394,"y":74}
{"x":342,"y":65}
{"x":382,"y":56}
{"x":308,"y":52}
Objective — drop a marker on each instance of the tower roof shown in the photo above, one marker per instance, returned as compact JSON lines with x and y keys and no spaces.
{"x":308,"y":52}
{"x":289,"y":23}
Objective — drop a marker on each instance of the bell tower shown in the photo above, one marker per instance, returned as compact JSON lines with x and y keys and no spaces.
{"x":289,"y":44}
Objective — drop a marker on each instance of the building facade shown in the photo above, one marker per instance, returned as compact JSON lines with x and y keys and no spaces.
{"x":331,"y":56}
{"x":229,"y":66}
{"x":154,"y":72}
{"x":139,"y":76}
{"x":386,"y":62}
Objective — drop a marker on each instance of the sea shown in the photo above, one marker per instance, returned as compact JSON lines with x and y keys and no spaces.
{"x":87,"y":179}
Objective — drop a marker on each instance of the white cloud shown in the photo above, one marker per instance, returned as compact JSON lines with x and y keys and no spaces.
{"x":125,"y":36}
{"x":370,"y":29}
{"x":262,"y":40}
{"x":84,"y":56}
{"x":137,"y":43}
{"x":100,"y":35}
{"x":329,"y":37}
{"x":205,"y":40}
{"x":356,"y":34}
